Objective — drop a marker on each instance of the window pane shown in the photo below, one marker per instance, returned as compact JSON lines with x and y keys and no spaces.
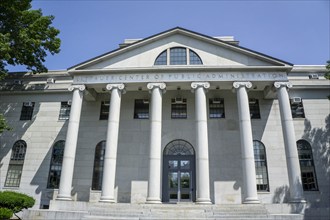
{"x":15,"y":167}
{"x":194,"y":58}
{"x":27,"y":111}
{"x":56,"y":165}
{"x":14,"y":175}
{"x":162,"y":59}
{"x":104,"y":113}
{"x":297,"y":109}
{"x":64,"y":111}
{"x":179,"y":109}
{"x":254,"y":108}
{"x":141,"y":109}
{"x":216,"y":108}
{"x":260,"y":166}
{"x":178,"y":56}
{"x":308,"y":175}
{"x":98,"y":166}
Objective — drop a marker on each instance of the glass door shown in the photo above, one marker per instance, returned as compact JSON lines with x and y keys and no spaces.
{"x":178,"y":179}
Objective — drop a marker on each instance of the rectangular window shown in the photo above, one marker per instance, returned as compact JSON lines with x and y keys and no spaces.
{"x":65,"y":111}
{"x":297,"y":108}
{"x":14,"y":174}
{"x":141,"y":109}
{"x":104,"y":113}
{"x":179,"y":108}
{"x":27,"y":111}
{"x":254,"y":108}
{"x":216,"y":108}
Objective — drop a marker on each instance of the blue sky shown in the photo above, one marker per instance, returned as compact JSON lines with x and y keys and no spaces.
{"x":293,"y":31}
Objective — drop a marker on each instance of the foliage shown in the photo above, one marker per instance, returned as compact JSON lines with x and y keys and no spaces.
{"x":5,"y":213}
{"x":26,"y":36}
{"x":15,"y":201}
{"x":327,"y":74}
{"x":3,"y":124}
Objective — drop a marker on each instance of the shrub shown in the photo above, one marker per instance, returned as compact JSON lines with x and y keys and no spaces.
{"x":5,"y":213}
{"x":15,"y":202}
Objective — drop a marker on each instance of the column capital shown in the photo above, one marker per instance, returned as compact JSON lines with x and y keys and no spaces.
{"x":119,"y":86}
{"x":161,"y":86}
{"x":195,"y":85}
{"x":278,"y":85}
{"x":237,"y":85}
{"x":80,"y":87}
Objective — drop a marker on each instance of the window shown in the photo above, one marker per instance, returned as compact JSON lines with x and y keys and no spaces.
{"x":65,"y":111}
{"x":55,"y":169}
{"x":141,"y":109}
{"x":27,"y":111}
{"x":260,"y":161}
{"x":15,"y":168}
{"x":179,"y":108}
{"x":216,"y":108}
{"x":178,"y":56}
{"x":254,"y":108}
{"x":98,"y":166}
{"x":297,"y":108}
{"x":162,"y":59}
{"x":308,"y":175}
{"x":104,"y":113}
{"x":194,"y":58}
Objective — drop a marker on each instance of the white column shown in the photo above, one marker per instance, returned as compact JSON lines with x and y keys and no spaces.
{"x":154,"y":184}
{"x":202,"y":146}
{"x":249,"y":172}
{"x":71,"y":143}
{"x":291,"y":152}
{"x":110,"y":156}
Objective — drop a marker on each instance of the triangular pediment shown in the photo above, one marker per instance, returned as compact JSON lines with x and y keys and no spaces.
{"x":213,"y":52}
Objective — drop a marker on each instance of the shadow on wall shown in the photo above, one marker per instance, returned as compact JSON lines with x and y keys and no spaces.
{"x":19,"y":127}
{"x":319,"y":138}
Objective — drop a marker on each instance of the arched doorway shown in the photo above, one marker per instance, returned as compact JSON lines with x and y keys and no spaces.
{"x":179,"y":172}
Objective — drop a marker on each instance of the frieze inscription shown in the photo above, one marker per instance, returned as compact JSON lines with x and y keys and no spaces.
{"x":179,"y":77}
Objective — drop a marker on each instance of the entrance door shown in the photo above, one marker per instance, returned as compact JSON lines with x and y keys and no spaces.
{"x":179,"y":176}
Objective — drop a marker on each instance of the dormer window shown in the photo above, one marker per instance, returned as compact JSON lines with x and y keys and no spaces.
{"x":178,"y":56}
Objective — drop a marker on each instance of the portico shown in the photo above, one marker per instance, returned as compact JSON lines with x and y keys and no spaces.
{"x":199,"y":88}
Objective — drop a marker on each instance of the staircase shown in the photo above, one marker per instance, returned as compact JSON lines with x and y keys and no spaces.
{"x":103,"y":211}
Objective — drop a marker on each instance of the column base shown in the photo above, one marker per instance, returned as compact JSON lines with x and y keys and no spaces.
{"x":153,"y":201}
{"x":107,"y":199}
{"x":251,"y":201}
{"x":203,"y":201}
{"x":64,"y":197}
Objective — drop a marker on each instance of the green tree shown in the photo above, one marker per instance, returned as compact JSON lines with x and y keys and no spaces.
{"x":3,"y":124}
{"x":13,"y":202}
{"x":26,"y":36}
{"x":327,"y":73}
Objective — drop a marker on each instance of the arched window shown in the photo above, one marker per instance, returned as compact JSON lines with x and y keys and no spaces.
{"x":55,"y":167}
{"x":178,"y":56}
{"x":308,"y":175}
{"x":98,"y":166}
{"x":179,"y":147}
{"x":15,"y":167}
{"x":260,"y":161}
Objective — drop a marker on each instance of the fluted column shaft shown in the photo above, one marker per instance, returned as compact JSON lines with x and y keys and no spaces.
{"x":291,"y":152}
{"x":71,"y":143}
{"x":202,"y":172}
{"x":155,"y":141}
{"x":248,"y":164}
{"x":110,"y":156}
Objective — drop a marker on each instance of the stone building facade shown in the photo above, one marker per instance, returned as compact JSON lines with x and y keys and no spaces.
{"x":175,"y":117}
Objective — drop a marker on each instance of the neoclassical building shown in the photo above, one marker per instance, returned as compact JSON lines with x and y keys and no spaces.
{"x":178,"y":117}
